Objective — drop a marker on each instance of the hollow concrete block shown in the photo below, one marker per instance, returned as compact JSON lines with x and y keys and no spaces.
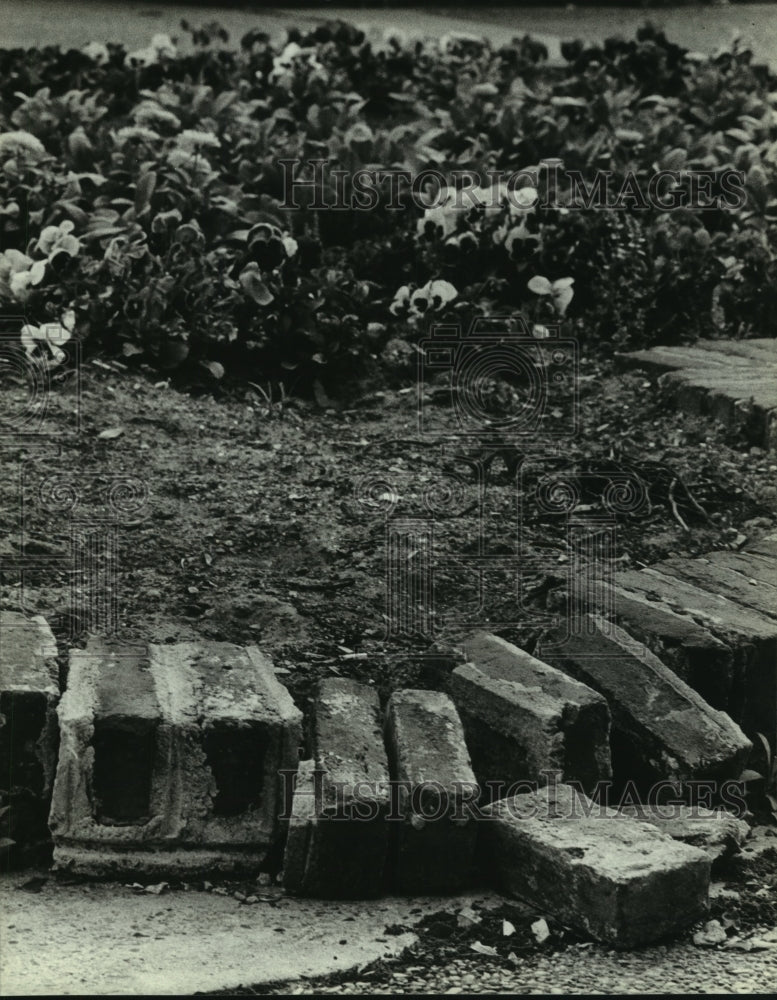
{"x":171,"y":759}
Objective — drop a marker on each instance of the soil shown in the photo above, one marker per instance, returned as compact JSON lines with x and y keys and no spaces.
{"x":744,"y":902}
{"x":255,"y":518}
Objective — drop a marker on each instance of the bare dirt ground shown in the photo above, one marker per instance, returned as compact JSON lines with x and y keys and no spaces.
{"x":270,"y":527}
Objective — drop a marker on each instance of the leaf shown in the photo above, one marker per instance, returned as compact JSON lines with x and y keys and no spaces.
{"x":467,"y":917}
{"x":214,"y":367}
{"x":143,"y":191}
{"x":255,"y":287}
{"x":484,"y":949}
{"x":130,"y":350}
{"x":767,"y":747}
{"x":508,"y":929}
{"x":110,"y":433}
{"x":77,"y":214}
{"x":749,"y":775}
{"x":96,"y":234}
{"x":563,"y":293}
{"x":6,"y":842}
{"x":675,"y":159}
{"x":222,"y":102}
{"x":757,"y":184}
{"x":173,"y":353}
{"x":321,"y":397}
{"x":539,"y":285}
{"x":628,"y":135}
{"x":568,"y":102}
{"x":540,"y":930}
{"x":739,"y":135}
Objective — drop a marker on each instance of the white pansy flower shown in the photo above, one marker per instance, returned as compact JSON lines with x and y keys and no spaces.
{"x":53,"y":335}
{"x":19,"y":274}
{"x":97,"y":52}
{"x":59,"y":239}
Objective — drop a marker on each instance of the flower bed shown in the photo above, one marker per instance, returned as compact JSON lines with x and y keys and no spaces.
{"x":154,"y":203}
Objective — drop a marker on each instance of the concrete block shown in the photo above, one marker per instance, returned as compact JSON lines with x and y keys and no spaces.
{"x":716,"y":832}
{"x":523,"y":717}
{"x":435,"y":793}
{"x":338,"y":834}
{"x":169,"y":759}
{"x":610,"y":877}
{"x":661,"y":728}
{"x":29,"y":692}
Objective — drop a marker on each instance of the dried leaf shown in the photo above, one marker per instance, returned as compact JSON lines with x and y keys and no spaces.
{"x":484,"y":949}
{"x":110,"y":433}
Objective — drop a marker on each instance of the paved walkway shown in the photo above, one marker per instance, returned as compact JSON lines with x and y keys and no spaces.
{"x":106,"y":938}
{"x":734,"y":381}
{"x":50,"y":22}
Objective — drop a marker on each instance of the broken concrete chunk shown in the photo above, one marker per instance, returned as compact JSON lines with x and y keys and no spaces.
{"x":29,"y":692}
{"x":170,"y":759}
{"x":613,"y":878}
{"x":435,"y":793}
{"x":717,"y":832}
{"x":661,"y":728}
{"x":338,"y":834}
{"x":523,"y":717}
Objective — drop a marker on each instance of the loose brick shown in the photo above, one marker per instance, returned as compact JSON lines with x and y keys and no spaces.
{"x":523,"y":717}
{"x":746,"y":580}
{"x":731,"y":380}
{"x":170,"y":758}
{"x":29,"y":692}
{"x":703,"y":661}
{"x":716,"y":832}
{"x":338,"y":834}
{"x":749,"y":695}
{"x":435,"y":793}
{"x":661,"y":728}
{"x":607,"y":876}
